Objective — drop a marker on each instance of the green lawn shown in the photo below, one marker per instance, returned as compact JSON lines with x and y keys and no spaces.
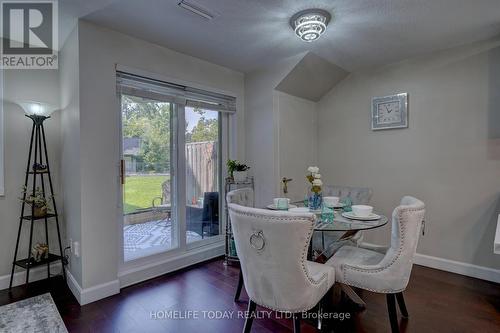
{"x":140,"y":191}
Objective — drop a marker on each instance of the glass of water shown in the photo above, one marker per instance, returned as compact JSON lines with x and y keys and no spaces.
{"x":347,"y":202}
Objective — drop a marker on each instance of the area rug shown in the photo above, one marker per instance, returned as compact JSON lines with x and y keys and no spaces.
{"x":36,"y":314}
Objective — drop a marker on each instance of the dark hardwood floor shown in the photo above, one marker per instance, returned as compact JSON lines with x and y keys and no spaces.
{"x":437,"y":302}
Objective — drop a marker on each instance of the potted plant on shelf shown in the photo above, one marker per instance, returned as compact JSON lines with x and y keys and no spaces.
{"x":38,"y":201}
{"x":237,"y":170}
{"x":315,"y":198}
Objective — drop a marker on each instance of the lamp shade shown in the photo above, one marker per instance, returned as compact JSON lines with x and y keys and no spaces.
{"x":37,"y":108}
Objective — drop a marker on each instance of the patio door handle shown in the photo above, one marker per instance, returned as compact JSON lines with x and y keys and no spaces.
{"x":122,"y":172}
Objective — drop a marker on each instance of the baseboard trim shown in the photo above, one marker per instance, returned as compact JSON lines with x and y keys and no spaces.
{"x":141,"y":273}
{"x":92,"y":294}
{"x":148,"y":271}
{"x":458,"y":267}
{"x":36,"y":274}
{"x":73,"y":286}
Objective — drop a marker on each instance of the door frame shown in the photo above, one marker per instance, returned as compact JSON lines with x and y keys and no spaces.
{"x":129,"y":272}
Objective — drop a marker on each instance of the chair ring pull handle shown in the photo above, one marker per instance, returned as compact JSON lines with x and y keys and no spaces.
{"x":257,"y":240}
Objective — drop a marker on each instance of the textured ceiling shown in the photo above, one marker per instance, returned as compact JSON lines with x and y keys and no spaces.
{"x":248,"y":34}
{"x":71,"y":10}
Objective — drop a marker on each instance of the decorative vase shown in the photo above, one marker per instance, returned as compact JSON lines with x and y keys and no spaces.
{"x":239,"y":176}
{"x":315,"y":200}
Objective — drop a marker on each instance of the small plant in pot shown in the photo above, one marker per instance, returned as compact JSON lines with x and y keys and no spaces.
{"x":38,"y":201}
{"x":237,"y":170}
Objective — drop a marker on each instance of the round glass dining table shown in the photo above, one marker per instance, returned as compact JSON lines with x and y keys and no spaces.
{"x":340,"y":223}
{"x":342,"y":229}
{"x":338,"y":228}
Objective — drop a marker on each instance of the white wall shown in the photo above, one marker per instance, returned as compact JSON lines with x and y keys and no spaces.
{"x":449,"y":156}
{"x":22,"y":85}
{"x":70,"y":145}
{"x":260,"y":122}
{"x":100,"y":50}
{"x":297,"y":141}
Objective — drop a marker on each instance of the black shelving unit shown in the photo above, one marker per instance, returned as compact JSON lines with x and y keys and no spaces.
{"x":37,"y":150}
{"x":25,"y":263}
{"x":34,"y":218}
{"x":230,"y":250}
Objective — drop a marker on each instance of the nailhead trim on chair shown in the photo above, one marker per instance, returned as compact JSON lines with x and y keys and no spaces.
{"x":302,"y":258}
{"x":402,"y":233}
{"x":241,"y":197}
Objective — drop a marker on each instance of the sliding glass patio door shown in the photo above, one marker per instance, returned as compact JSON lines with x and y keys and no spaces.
{"x":203,"y":166}
{"x":149,"y":223}
{"x":173,"y":143}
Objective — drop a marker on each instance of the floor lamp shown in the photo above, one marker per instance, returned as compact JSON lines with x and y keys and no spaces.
{"x":38,"y":170}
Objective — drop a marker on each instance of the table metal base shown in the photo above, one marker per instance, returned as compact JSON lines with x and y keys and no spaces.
{"x":353,"y":296}
{"x":348,"y":290}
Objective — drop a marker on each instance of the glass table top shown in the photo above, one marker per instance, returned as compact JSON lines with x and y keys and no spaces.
{"x":341,"y":223}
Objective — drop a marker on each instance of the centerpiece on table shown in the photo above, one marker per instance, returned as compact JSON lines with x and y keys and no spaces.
{"x":315,"y":197}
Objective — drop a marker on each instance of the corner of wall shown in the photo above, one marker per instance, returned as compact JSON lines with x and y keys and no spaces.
{"x":260,"y":124}
{"x":70,"y":145}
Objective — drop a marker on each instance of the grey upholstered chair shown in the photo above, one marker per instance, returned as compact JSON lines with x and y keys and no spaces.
{"x":380,"y":269}
{"x":242,"y":197}
{"x":358,"y":196}
{"x":272,"y":247}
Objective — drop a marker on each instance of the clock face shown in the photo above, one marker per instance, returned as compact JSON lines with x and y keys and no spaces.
{"x":389,"y":113}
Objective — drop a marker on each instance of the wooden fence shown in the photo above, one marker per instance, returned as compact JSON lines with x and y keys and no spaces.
{"x":202,"y":170}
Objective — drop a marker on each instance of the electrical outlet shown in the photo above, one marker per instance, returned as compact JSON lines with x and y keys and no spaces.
{"x":76,"y":249}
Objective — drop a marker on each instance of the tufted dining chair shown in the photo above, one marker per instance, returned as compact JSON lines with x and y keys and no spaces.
{"x":358,"y":196}
{"x":242,"y":197}
{"x":272,"y":248}
{"x":380,"y":269}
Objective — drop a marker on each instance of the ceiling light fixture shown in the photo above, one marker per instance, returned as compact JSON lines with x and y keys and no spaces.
{"x":310,"y":24}
{"x":196,"y":10}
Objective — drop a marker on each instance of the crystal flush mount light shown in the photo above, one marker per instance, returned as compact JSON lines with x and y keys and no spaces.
{"x":310,"y":24}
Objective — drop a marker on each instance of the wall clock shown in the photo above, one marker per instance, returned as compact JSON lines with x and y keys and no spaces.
{"x":390,"y":112}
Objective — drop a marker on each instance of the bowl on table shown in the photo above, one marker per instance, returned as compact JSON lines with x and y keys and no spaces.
{"x":331,"y":202}
{"x":362,"y":210}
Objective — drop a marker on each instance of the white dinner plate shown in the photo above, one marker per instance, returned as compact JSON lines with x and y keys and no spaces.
{"x":273,"y":207}
{"x":352,"y":216}
{"x":299,"y":210}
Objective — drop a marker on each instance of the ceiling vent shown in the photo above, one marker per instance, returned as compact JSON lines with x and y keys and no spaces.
{"x":196,"y":9}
